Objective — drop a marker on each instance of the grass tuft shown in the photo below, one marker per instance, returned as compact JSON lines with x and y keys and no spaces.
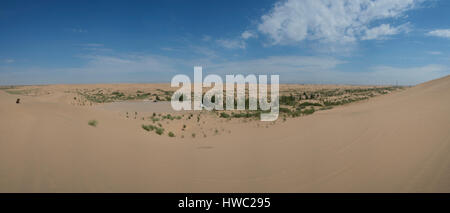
{"x":93,"y":123}
{"x":171,"y":134}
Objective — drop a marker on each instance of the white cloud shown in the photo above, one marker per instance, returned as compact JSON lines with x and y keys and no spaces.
{"x":231,"y":43}
{"x":247,"y":34}
{"x":407,"y":75}
{"x":205,"y":51}
{"x":383,"y":30}
{"x":332,"y":21}
{"x":77,"y":30}
{"x":434,"y":53}
{"x":93,"y":45}
{"x":324,"y":70}
{"x":8,"y":61}
{"x":206,"y":38}
{"x":156,"y":68}
{"x":444,"y":33}
{"x":276,"y":64}
{"x":237,"y":43}
{"x":168,"y":49}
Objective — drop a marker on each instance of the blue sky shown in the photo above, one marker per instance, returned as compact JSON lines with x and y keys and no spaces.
{"x":304,"y":41}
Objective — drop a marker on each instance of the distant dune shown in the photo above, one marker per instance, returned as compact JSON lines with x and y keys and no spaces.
{"x":399,"y":142}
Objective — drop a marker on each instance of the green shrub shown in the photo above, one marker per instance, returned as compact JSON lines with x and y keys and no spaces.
{"x":148,"y":127}
{"x":93,"y":123}
{"x":308,"y":111}
{"x":224,"y":115}
{"x":171,"y":134}
{"x":326,"y":108}
{"x":168,"y":116}
{"x":285,"y":110}
{"x":159,"y":131}
{"x":304,"y":104}
{"x":296,"y":113}
{"x":287,"y":100}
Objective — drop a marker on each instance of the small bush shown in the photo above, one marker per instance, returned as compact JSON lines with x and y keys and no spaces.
{"x":308,"y":111}
{"x":193,"y":135}
{"x":326,"y":108}
{"x":148,"y":127}
{"x":93,"y":123}
{"x":287,"y":100}
{"x":224,"y":115}
{"x":171,"y":134}
{"x":285,"y":110}
{"x":304,"y":104}
{"x":169,"y":116}
{"x":159,"y":131}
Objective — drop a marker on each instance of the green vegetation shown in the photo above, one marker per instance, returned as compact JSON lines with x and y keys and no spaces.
{"x":285,"y":110}
{"x":93,"y":123}
{"x":308,"y":111}
{"x":343,"y":101}
{"x":305,"y":104}
{"x":224,"y":115}
{"x":247,"y":114}
{"x":326,"y":108}
{"x":148,"y":127}
{"x":159,"y":131}
{"x":12,"y":90}
{"x":287,"y":100}
{"x":99,"y":96}
{"x":171,"y":134}
{"x":168,"y":116}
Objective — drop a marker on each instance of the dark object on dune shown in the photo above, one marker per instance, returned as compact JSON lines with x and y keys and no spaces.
{"x":18,"y":101}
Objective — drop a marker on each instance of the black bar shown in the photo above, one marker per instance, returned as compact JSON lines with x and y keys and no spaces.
{"x":171,"y":201}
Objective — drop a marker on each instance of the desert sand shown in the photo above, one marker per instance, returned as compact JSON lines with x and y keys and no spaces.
{"x":398,"y":142}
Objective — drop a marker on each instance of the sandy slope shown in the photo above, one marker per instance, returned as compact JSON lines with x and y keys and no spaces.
{"x":394,"y":143}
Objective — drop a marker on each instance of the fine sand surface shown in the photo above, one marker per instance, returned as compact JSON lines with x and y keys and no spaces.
{"x":398,"y":142}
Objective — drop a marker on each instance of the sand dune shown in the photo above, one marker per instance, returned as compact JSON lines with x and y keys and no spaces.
{"x":398,"y":142}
